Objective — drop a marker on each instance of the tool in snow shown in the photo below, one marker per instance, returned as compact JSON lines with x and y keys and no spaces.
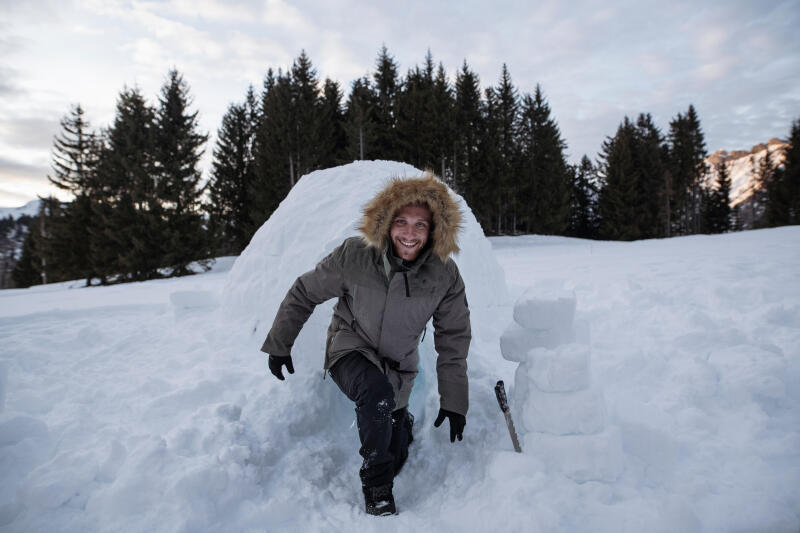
{"x":502,"y":399}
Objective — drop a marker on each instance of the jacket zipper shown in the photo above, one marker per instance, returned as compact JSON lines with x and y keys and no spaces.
{"x":405,"y":277}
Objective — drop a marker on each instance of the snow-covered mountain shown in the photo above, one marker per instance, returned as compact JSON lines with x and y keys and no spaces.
{"x":741,"y":165}
{"x":30,"y":209}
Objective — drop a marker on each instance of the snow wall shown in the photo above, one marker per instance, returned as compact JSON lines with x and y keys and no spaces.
{"x":322,"y":209}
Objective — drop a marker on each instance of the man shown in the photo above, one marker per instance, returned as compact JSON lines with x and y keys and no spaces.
{"x":389,"y":283}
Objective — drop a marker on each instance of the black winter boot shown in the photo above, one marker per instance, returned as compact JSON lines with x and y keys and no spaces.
{"x":379,"y":500}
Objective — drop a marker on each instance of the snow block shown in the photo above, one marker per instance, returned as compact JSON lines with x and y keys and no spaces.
{"x":581,"y":458}
{"x":559,"y":413}
{"x":556,"y":313}
{"x":516,"y":342}
{"x":564,"y":369}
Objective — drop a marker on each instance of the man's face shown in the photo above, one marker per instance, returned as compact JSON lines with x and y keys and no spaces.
{"x":410,"y":229}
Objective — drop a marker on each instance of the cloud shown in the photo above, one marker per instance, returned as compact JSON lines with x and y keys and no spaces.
{"x":211,"y":10}
{"x":279,"y":13}
{"x":21,"y":183}
{"x":7,"y":87}
{"x":28,"y":132}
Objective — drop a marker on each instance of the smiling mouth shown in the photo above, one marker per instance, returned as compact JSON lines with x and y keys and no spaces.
{"x":408,"y":244}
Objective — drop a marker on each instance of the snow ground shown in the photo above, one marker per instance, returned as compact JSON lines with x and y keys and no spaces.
{"x":148,"y":407}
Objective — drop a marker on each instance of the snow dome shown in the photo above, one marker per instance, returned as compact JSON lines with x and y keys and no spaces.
{"x":322,"y":210}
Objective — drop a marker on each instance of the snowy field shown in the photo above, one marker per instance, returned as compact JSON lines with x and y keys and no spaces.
{"x":671,"y":404}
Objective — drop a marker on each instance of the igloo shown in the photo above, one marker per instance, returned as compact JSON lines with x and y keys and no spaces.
{"x":322,"y":209}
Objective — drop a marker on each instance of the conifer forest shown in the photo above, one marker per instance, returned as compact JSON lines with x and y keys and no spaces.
{"x":141,"y":207}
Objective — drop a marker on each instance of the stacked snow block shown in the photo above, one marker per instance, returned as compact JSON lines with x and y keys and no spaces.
{"x":562,"y":412}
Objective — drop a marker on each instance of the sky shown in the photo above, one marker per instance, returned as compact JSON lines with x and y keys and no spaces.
{"x":737,"y":62}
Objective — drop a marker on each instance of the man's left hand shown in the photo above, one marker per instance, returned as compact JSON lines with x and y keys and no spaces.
{"x":457,"y":423}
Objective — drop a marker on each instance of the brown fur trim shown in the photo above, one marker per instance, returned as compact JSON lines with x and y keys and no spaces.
{"x":425,"y":190}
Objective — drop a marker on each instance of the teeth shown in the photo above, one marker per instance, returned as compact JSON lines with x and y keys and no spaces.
{"x":404,"y":243}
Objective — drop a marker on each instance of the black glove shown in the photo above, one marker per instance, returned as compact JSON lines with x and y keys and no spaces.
{"x":277,"y":361}
{"x":457,"y":423}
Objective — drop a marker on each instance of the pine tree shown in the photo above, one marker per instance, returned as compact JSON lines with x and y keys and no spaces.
{"x":717,"y":208}
{"x":499,"y":156}
{"x":687,"y":156}
{"x":178,"y":148}
{"x":333,"y":139}
{"x":74,"y":154}
{"x":618,"y":193}
{"x":232,"y":172}
{"x":75,"y":157}
{"x":415,"y":116}
{"x":791,"y":174}
{"x":387,"y":89}
{"x":544,"y":184}
{"x":583,"y":201}
{"x":650,"y":159}
{"x":27,"y":271}
{"x":360,"y":123}
{"x":783,"y":191}
{"x":468,"y":121}
{"x":128,"y":245}
{"x":443,"y":126}
{"x":764,"y":173}
{"x":272,"y":149}
{"x":306,"y":131}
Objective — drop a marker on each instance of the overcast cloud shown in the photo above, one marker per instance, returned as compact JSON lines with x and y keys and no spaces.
{"x":737,"y":62}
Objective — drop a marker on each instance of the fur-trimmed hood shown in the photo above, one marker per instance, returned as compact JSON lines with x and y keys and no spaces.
{"x":425,"y":190}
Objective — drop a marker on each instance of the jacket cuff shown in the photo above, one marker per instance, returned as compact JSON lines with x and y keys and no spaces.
{"x":454,"y":396}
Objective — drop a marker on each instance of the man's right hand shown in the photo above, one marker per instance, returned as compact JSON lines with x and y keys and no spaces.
{"x":277,"y":361}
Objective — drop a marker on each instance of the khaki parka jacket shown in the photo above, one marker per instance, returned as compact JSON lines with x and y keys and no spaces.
{"x":382,"y":312}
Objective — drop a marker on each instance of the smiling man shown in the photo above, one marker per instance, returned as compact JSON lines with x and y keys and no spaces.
{"x":389,"y":283}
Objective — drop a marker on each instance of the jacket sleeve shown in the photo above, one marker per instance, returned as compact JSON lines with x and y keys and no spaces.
{"x":322,"y":283}
{"x":452,"y":335}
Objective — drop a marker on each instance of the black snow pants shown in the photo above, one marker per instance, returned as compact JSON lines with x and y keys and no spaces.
{"x":385,"y":433}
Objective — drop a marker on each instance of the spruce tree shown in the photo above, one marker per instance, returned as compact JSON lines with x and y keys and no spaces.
{"x":499,"y":156}
{"x":791,"y":174}
{"x":717,"y":212}
{"x":468,"y":123}
{"x":764,"y":173}
{"x":583,"y":200}
{"x":306,"y":131}
{"x":74,"y":154}
{"x":544,"y":179}
{"x":27,"y":271}
{"x":360,"y":122}
{"x":272,"y":150}
{"x":485,"y":185}
{"x":783,"y":191}
{"x":129,"y":244}
{"x":618,"y":193}
{"x":232,"y":171}
{"x":415,"y":117}
{"x":442,"y":123}
{"x":387,"y":88}
{"x":332,"y":139}
{"x":178,"y":148}
{"x":650,"y":160}
{"x":687,"y":156}
{"x":75,"y":157}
